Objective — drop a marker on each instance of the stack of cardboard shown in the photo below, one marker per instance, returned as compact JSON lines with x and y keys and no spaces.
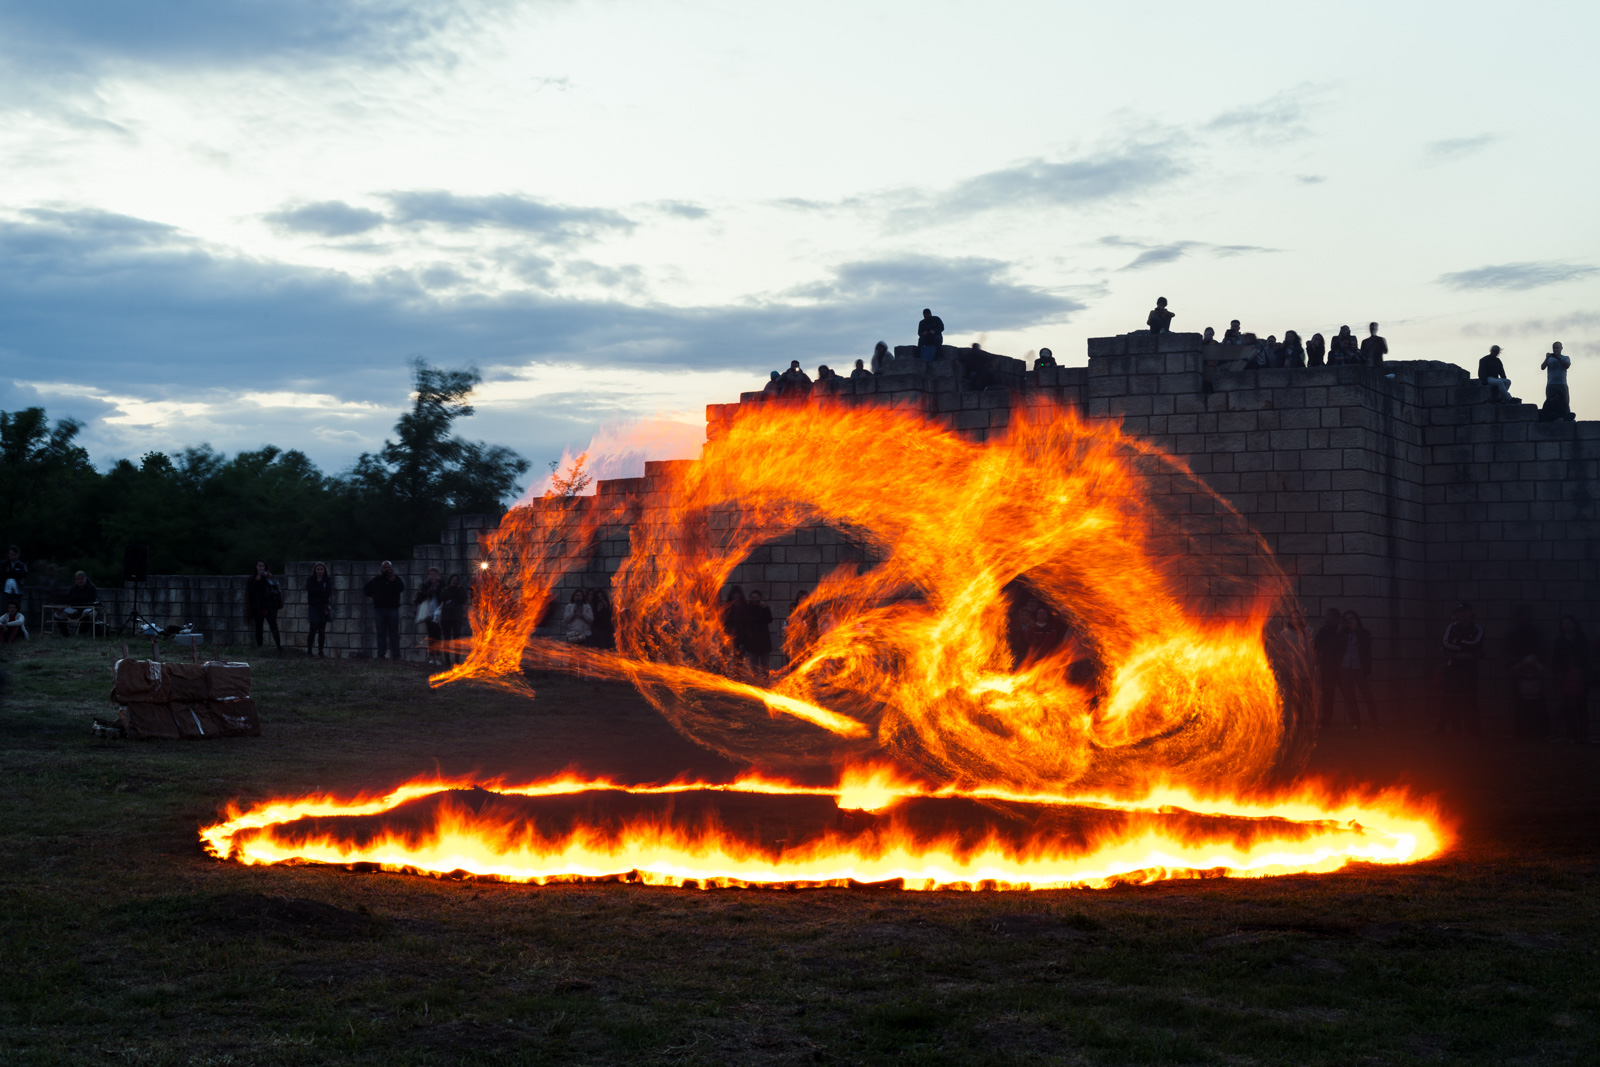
{"x":184,"y":699}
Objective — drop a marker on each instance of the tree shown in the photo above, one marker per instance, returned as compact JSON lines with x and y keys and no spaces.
{"x":427,"y":473}
{"x":44,"y":475}
{"x":571,"y":482}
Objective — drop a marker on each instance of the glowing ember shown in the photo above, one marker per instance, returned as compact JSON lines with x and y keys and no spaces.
{"x":1160,"y":722}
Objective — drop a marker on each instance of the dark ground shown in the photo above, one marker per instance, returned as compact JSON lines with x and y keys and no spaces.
{"x":121,"y":943}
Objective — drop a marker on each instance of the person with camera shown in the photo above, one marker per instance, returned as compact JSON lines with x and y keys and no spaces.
{"x":263,"y":599}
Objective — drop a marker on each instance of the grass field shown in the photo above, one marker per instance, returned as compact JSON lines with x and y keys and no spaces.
{"x":120,"y":942}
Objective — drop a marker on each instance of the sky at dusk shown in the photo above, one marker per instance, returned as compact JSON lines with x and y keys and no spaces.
{"x":237,"y":221}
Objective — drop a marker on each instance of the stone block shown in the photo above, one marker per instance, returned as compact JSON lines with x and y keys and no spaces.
{"x":1143,"y":343}
{"x":1107,"y":346}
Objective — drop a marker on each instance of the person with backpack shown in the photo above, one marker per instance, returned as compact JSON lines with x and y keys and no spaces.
{"x":263,"y":599}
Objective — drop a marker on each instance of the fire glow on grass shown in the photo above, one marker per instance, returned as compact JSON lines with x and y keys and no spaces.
{"x":1165,"y":704}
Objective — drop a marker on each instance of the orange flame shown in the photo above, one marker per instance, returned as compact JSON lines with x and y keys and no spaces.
{"x":1164,"y":700}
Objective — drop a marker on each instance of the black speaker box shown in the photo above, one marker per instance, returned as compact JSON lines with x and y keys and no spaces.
{"x":136,"y":563}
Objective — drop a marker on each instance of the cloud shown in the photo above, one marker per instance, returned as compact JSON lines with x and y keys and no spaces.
{"x":82,"y":33}
{"x":1041,"y":182}
{"x":1154,"y":255}
{"x":683,"y":209}
{"x":1280,"y":117}
{"x":1453,"y":148}
{"x":138,"y":309}
{"x":1517,"y":276}
{"x":555,"y":223}
{"x":327,"y":218}
{"x":1587,"y":321}
{"x":1310,"y":179}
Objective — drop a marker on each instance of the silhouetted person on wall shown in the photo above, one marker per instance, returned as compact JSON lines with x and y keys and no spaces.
{"x":1373,"y":347}
{"x":1329,"y":648}
{"x":1294,"y":353}
{"x":796,"y":382}
{"x":1316,"y":351}
{"x":263,"y":599}
{"x":1345,"y":350}
{"x":1160,"y":320}
{"x":860,"y":371}
{"x":1492,"y":372}
{"x":1557,"y":401}
{"x":1463,"y":648}
{"x":880,"y":356}
{"x":1355,"y":669}
{"x":385,"y":591}
{"x":774,"y":385}
{"x":1046,"y":359}
{"x":1232,"y":336}
{"x":1575,"y":674}
{"x":930,"y":334}
{"x":825,"y":373}
{"x":756,"y":632}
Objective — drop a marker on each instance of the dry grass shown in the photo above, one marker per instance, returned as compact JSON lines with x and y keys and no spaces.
{"x":120,"y":942}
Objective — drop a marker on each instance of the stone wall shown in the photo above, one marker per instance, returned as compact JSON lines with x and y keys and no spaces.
{"x":1394,"y":491}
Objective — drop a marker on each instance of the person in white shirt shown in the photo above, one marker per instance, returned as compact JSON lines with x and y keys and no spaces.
{"x":12,"y":625}
{"x":1557,"y":401}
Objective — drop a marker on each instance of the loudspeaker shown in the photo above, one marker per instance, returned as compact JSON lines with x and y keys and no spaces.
{"x":136,"y":563}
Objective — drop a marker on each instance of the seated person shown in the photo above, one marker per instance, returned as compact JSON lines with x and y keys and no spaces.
{"x":1159,"y":320}
{"x":880,"y":356}
{"x":796,"y":380}
{"x":12,"y":625}
{"x":1046,"y":359}
{"x":774,"y":385}
{"x":1344,"y":350}
{"x":1492,"y":372}
{"x":861,"y":371}
{"x":82,"y":599}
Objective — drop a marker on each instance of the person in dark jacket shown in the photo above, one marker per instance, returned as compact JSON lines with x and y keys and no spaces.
{"x":1575,"y":674}
{"x":604,"y":634}
{"x":453,"y":616}
{"x":319,"y":609}
{"x":1316,"y":350}
{"x":263,"y":597}
{"x":83,"y":601}
{"x":1458,"y":690}
{"x":1328,"y":645}
{"x":930,"y":334}
{"x":1355,"y":669}
{"x":428,"y":604}
{"x":733,"y":618}
{"x":385,"y":590}
{"x":756,"y":630}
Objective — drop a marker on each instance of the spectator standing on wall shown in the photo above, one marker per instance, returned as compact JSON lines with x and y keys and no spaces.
{"x":1328,"y":644}
{"x":427,"y":602}
{"x":605,"y":625}
{"x":1160,"y":319}
{"x":1373,"y":347}
{"x":1492,"y":372}
{"x":1233,"y":336}
{"x":756,"y":631}
{"x":796,"y":381}
{"x":14,"y":571}
{"x":452,"y":615}
{"x":1316,"y":350}
{"x":1575,"y":675}
{"x":930,"y":334}
{"x":1355,"y":669}
{"x":1463,"y":648}
{"x":263,"y":599}
{"x":385,"y":590}
{"x":577,"y":618}
{"x":1557,"y":401}
{"x":319,"y":609}
{"x":13,"y":627}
